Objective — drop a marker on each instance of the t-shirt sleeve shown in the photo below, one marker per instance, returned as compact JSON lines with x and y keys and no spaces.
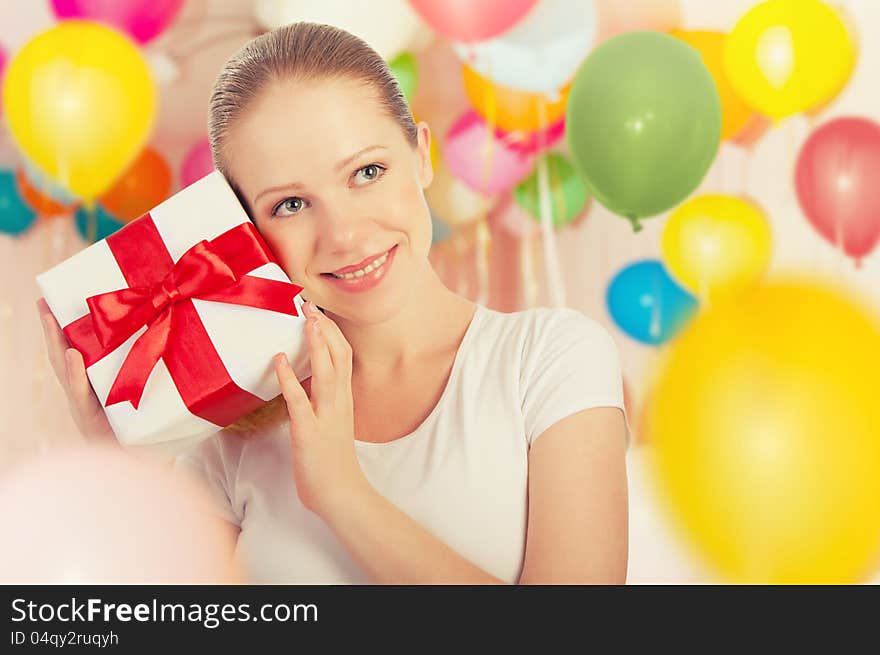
{"x":570,"y":363}
{"x":206,"y":464}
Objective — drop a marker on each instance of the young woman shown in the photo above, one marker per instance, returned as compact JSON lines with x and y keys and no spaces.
{"x":437,"y":441}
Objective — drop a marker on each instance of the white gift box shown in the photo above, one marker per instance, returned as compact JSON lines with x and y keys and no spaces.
{"x":245,"y":337}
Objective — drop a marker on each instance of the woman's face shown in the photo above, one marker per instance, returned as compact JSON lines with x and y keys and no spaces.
{"x":330,"y":181}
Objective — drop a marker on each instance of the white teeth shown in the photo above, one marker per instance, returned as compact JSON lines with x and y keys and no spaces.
{"x":369,"y":268}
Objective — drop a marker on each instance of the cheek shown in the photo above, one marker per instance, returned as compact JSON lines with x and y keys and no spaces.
{"x":290,"y":247}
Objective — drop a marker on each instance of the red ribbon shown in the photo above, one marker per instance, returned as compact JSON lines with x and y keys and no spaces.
{"x":160,"y":296}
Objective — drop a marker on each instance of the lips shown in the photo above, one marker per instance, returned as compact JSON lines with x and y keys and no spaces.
{"x":359,"y":265}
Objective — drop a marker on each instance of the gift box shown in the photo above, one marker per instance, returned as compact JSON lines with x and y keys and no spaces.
{"x":178,"y":316}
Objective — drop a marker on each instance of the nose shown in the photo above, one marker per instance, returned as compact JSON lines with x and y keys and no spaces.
{"x":342,"y":228}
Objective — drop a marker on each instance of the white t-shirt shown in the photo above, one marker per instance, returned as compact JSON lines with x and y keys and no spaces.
{"x":462,"y":474}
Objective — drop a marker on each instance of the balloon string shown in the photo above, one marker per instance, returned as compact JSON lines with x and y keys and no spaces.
{"x":483,"y":234}
{"x":460,"y":280}
{"x":745,"y":169}
{"x":483,"y":253}
{"x":551,"y":259}
{"x":527,"y":270}
{"x":91,"y":222}
{"x":656,"y":300}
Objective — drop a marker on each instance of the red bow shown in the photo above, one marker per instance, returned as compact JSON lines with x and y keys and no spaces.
{"x":160,"y":296}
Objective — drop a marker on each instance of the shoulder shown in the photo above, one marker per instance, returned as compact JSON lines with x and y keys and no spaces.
{"x":536,"y":336}
{"x":540,"y":323}
{"x":563,"y":332}
{"x":554,"y":322}
{"x":570,"y":362}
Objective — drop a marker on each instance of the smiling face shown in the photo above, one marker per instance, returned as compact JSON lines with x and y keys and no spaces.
{"x":332,"y":182}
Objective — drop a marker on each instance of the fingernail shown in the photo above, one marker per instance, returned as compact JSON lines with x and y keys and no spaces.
{"x":315,"y":327}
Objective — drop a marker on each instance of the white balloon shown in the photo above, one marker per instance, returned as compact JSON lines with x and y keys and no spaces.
{"x":389,"y":26}
{"x":542,"y":53}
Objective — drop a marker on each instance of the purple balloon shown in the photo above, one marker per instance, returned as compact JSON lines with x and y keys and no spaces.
{"x":142,"y":20}
{"x":197,"y":163}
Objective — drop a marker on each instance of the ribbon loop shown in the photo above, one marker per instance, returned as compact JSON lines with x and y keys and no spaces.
{"x":159,"y":297}
{"x":119,"y":314}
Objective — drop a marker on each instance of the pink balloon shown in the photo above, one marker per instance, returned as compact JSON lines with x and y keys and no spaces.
{"x":197,"y":163}
{"x":837,"y":179}
{"x":471,"y":152}
{"x":617,"y":16}
{"x":532,"y":143}
{"x":101,"y":515}
{"x":142,"y":20}
{"x":472,"y":20}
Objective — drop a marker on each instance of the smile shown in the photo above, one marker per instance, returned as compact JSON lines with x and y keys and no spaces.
{"x":376,"y":263}
{"x":365,"y":278}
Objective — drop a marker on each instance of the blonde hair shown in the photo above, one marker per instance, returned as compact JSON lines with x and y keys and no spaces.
{"x":297,"y":52}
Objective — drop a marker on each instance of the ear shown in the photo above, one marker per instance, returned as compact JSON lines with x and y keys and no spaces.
{"x":426,"y":169}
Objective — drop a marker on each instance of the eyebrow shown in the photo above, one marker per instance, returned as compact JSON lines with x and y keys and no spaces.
{"x":297,"y":185}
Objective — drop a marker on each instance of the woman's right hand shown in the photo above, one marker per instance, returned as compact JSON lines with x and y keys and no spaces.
{"x":67,"y":362}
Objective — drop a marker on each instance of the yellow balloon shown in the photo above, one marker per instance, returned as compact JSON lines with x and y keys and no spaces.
{"x":765,"y":432}
{"x":512,"y":109}
{"x":716,"y":245}
{"x":788,"y":56}
{"x":735,"y":113}
{"x":79,"y":101}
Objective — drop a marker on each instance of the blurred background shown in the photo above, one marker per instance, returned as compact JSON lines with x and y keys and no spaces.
{"x":701,"y":178}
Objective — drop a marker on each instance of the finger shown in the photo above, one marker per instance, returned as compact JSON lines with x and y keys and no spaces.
{"x":340,"y":350}
{"x":56,"y":342}
{"x":78,"y":384}
{"x":323,"y":375}
{"x":298,"y":405}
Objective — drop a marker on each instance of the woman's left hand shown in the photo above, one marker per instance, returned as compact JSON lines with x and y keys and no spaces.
{"x":325,"y":466}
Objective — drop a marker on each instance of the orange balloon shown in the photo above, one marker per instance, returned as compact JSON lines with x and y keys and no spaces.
{"x":735,"y":113}
{"x":144,"y":185}
{"x":753,"y":130}
{"x":42,"y":204}
{"x":512,"y":109}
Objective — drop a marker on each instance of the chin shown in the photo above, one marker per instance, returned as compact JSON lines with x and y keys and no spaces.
{"x":371,"y":307}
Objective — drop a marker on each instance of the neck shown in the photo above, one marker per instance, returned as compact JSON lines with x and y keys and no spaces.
{"x":433,"y":320}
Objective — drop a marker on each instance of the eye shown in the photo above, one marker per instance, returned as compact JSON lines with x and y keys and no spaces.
{"x":368,"y":173}
{"x":292,"y":205}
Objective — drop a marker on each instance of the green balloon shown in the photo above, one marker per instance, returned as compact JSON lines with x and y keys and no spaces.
{"x":405,"y":70}
{"x":643,"y":123}
{"x":567,"y":191}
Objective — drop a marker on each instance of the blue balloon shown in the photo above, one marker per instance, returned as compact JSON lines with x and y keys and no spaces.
{"x":45,"y":185}
{"x":96,"y":224}
{"x":15,"y":216}
{"x":647,"y":304}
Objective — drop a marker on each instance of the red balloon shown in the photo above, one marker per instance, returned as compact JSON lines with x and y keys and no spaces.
{"x":838,"y":183}
{"x":471,"y":20}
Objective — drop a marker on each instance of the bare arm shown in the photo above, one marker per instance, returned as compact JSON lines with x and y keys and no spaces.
{"x":577,"y":531}
{"x":392,"y":548}
{"x":578,"y":518}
